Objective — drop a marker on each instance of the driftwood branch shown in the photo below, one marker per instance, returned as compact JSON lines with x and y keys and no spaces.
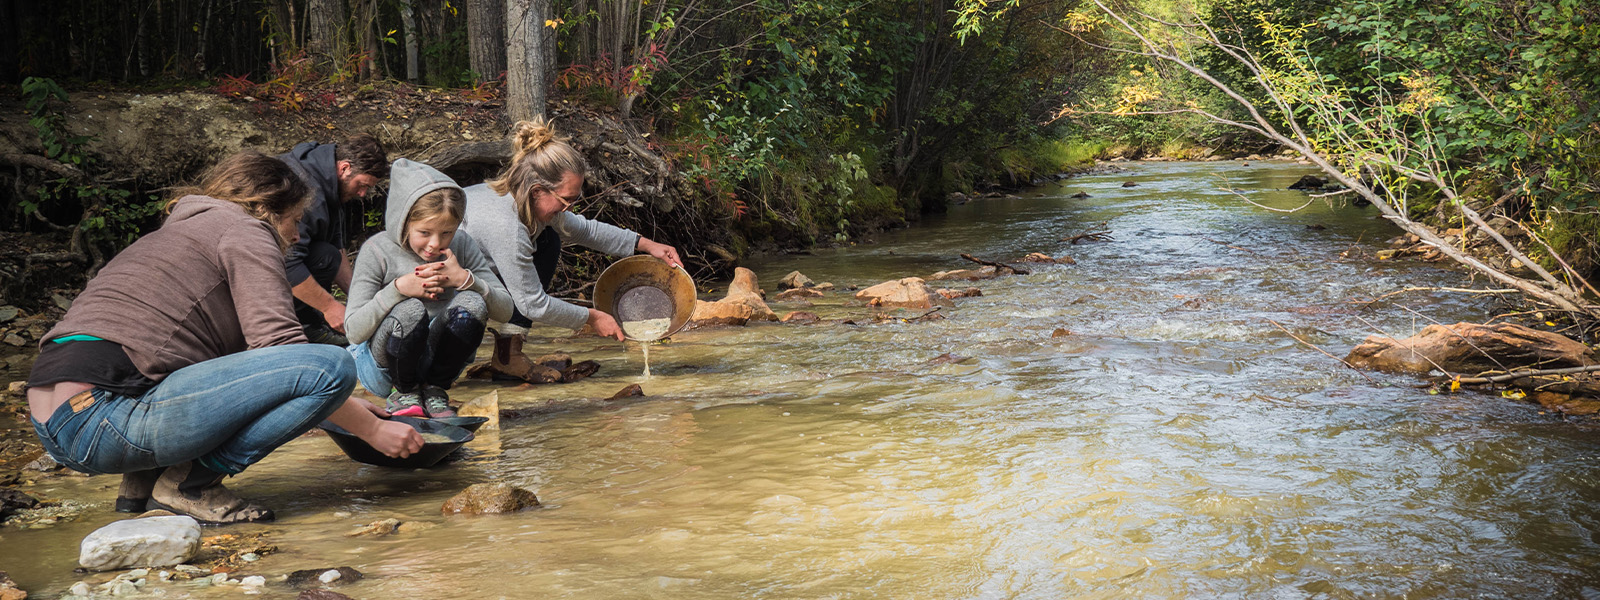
{"x":1521,"y":374}
{"x":997,"y":265}
{"x":1098,"y":233}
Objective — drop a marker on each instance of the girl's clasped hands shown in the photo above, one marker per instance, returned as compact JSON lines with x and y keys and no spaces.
{"x":429,"y":280}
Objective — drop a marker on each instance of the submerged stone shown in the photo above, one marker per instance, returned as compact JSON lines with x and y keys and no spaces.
{"x":490,"y":498}
{"x":339,"y":575}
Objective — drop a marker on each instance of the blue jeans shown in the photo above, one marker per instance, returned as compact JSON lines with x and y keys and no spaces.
{"x":369,"y":373}
{"x":227,"y":412}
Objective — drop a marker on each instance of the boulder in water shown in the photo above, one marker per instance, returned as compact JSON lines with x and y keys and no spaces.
{"x":487,"y":405}
{"x":1080,"y":195}
{"x":953,"y":294}
{"x":1309,"y":182}
{"x":1471,"y":348}
{"x":12,"y":500}
{"x":910,"y":292}
{"x":720,"y":313}
{"x":327,"y":576}
{"x":966,"y":274}
{"x":632,"y":391}
{"x":149,"y":542}
{"x":1128,"y":184}
{"x":489,"y":498}
{"x":794,"y":280}
{"x":799,"y":294}
{"x":801,"y":317}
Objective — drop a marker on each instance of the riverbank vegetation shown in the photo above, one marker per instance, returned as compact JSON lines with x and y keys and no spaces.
{"x":769,"y":124}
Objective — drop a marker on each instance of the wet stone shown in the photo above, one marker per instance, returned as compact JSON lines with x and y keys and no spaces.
{"x":12,"y":500}
{"x":152,"y":542}
{"x":329,"y":576}
{"x":633,"y":390}
{"x":490,"y":498}
{"x":8,"y":312}
{"x":321,"y":595}
{"x":377,"y":528}
{"x":794,"y":280}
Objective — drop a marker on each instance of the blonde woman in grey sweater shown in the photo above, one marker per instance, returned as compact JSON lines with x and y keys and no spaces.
{"x":521,"y":220}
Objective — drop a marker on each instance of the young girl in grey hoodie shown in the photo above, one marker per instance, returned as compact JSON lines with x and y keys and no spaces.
{"x":420,"y":295}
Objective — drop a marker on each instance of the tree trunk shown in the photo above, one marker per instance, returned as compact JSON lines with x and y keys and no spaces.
{"x":408,"y":20}
{"x":525,"y":61}
{"x":322,"y":35}
{"x":486,"y":29}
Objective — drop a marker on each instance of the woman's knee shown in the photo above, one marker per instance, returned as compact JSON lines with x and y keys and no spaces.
{"x":335,"y":366}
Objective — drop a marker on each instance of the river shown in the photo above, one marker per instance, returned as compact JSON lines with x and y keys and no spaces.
{"x":1174,"y":444}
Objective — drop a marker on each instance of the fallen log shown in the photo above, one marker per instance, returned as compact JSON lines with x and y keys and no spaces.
{"x":1015,"y":270}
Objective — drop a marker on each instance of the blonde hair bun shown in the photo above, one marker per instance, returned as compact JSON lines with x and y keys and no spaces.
{"x":530,"y":136}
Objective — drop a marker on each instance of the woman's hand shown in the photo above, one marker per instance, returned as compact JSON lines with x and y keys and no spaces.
{"x":604,"y":325}
{"x":394,"y":439}
{"x":659,"y":250}
{"x":417,"y":286}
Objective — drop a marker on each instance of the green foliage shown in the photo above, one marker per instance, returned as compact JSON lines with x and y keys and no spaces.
{"x":44,"y":116}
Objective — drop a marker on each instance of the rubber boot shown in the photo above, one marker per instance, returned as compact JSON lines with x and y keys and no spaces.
{"x":135,"y":490}
{"x":191,"y":489}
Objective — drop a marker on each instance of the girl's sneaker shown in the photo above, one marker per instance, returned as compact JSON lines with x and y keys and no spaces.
{"x":405,"y":404}
{"x":437,"y":401}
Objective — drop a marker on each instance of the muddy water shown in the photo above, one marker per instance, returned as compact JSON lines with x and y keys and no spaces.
{"x":1175,"y":444}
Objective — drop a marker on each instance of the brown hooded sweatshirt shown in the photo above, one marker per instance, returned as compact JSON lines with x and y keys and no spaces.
{"x":210,"y":282}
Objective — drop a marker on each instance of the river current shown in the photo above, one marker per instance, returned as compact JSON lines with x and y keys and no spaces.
{"x":1174,"y":443}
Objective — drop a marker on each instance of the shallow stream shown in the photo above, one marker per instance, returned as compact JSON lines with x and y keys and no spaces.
{"x":1174,"y":444}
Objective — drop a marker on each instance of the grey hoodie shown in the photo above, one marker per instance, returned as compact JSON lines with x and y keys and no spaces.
{"x":493,"y":221}
{"x":385,"y":258}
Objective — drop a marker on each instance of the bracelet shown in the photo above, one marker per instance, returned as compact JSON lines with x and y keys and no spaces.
{"x":468,"y":284}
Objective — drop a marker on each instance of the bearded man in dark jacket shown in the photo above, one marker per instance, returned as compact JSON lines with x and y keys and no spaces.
{"x":337,"y":174}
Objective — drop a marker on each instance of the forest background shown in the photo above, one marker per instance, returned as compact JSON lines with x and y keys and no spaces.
{"x":781,"y":124}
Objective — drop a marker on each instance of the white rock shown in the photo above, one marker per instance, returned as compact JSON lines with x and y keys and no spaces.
{"x":330,"y":576}
{"x":79,"y":589}
{"x":219,"y":579}
{"x":250,"y":557}
{"x":125,"y":588}
{"x":150,"y":542}
{"x":253,"y":581}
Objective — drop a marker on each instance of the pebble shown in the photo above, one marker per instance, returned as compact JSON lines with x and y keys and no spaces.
{"x":79,"y":589}
{"x":253,"y":581}
{"x":219,"y":578}
{"x":250,"y":557}
{"x":125,"y":588}
{"x":192,"y":570}
{"x":329,"y":576}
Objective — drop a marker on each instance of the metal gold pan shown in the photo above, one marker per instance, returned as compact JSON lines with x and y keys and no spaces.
{"x":642,"y":287}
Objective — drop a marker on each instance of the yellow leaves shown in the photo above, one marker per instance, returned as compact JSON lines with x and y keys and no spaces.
{"x":1423,"y":93}
{"x":1132,"y":96}
{"x":1081,"y":22}
{"x":1550,"y":323}
{"x":1455,"y":385}
{"x":554,"y":23}
{"x":1513,"y":394}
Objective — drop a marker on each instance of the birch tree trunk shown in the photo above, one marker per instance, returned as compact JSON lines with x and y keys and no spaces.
{"x":322,"y":35}
{"x":525,"y":60}
{"x":408,"y":20}
{"x":486,"y":45}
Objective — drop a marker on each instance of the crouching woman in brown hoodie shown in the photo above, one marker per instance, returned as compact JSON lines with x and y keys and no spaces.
{"x":182,"y":362}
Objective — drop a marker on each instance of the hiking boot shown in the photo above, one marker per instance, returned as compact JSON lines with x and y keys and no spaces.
{"x":323,"y":334}
{"x":193,"y":490}
{"x":405,"y":404}
{"x":509,"y":363}
{"x":437,"y":401}
{"x":135,"y":490}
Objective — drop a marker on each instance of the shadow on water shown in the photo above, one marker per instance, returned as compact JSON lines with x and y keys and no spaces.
{"x":1174,"y":444}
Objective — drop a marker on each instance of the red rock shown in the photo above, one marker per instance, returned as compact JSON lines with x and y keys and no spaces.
{"x":794,"y":280}
{"x":910,"y":292}
{"x":953,"y":294}
{"x":720,"y":313}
